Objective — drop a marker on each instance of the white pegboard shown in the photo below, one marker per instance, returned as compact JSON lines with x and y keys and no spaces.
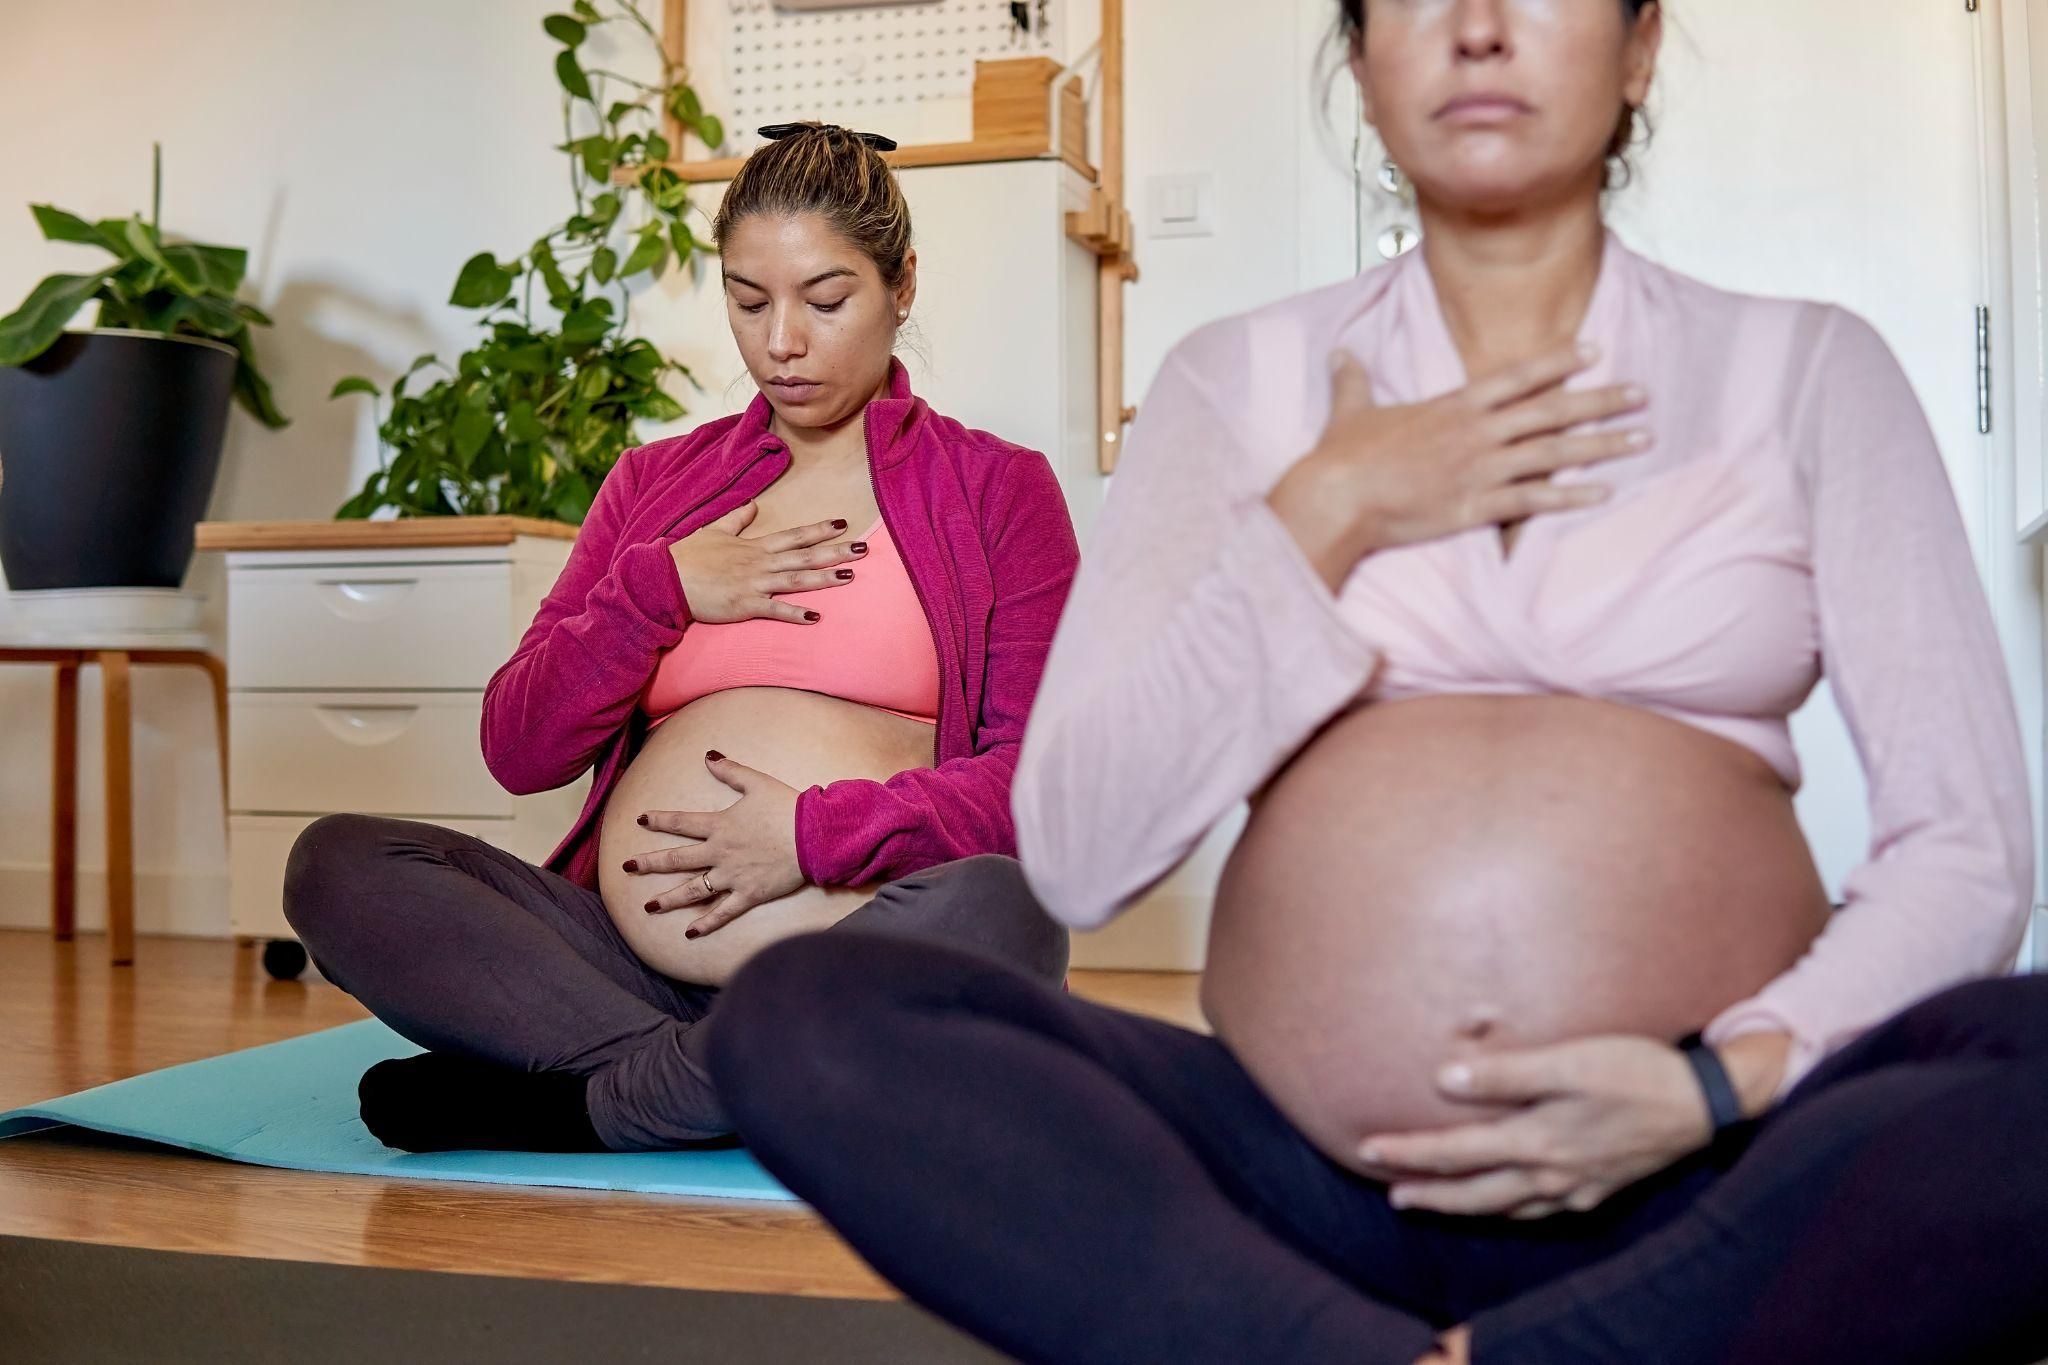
{"x":875,"y":68}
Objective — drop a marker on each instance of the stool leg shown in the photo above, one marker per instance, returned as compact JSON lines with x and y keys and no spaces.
{"x":120,"y":810}
{"x":217,"y":672}
{"x":64,"y":808}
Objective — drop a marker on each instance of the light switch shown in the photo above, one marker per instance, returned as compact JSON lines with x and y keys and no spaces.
{"x":1180,"y":205}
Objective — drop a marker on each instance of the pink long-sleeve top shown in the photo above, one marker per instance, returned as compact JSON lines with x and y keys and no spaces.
{"x":1792,"y":517}
{"x":982,"y":529}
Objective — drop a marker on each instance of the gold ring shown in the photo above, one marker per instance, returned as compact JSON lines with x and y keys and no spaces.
{"x":708,"y":892}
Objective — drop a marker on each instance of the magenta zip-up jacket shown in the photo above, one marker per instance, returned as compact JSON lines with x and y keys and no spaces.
{"x":984,"y":533}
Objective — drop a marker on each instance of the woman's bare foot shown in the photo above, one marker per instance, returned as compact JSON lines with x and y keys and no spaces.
{"x":1453,"y":1348}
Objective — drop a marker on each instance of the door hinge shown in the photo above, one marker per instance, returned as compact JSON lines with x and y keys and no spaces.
{"x":1983,"y":371}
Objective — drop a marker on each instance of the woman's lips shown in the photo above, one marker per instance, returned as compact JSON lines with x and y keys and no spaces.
{"x":795,"y":393}
{"x":1482,"y":109}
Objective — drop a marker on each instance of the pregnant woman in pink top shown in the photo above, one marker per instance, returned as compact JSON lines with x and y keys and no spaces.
{"x":796,"y":646}
{"x":1490,"y":578}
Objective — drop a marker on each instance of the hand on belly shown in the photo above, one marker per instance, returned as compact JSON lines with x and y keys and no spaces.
{"x":737,"y":857}
{"x":1585,"y":1119}
{"x":736,"y":820}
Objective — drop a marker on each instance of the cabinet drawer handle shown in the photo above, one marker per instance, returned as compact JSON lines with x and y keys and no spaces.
{"x":366,"y":726}
{"x":365,"y":599}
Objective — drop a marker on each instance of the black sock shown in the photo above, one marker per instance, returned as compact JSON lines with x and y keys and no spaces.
{"x":441,"y":1102}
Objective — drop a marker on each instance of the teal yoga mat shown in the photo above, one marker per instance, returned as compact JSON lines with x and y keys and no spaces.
{"x":293,"y":1104}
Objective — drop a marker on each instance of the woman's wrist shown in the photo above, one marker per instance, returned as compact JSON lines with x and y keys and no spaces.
{"x":1314,"y":501}
{"x":1756,"y":1063}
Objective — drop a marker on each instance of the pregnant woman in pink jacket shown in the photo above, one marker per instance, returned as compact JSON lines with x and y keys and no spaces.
{"x":1490,"y":578}
{"x":796,"y":646}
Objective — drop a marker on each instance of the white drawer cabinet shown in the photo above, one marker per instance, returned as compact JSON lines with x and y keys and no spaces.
{"x":382,"y":753}
{"x":394,"y":625}
{"x":357,"y":658}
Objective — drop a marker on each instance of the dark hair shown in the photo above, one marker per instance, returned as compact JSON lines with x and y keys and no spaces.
{"x":1633,"y":130}
{"x":835,"y":173}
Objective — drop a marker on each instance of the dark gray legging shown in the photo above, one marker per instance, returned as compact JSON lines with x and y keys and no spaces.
{"x":465,"y":948}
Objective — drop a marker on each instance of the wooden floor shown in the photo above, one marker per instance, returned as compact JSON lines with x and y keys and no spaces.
{"x":69,"y":1021}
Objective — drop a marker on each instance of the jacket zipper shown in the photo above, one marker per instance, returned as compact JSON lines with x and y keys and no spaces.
{"x":875,"y":483}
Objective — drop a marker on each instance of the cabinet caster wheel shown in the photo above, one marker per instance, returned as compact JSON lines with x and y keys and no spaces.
{"x":284,"y":958}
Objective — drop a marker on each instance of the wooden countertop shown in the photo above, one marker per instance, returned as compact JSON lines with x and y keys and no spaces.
{"x":409,"y":532}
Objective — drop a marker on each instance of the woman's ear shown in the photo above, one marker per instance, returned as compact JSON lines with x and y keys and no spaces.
{"x":906,"y":292}
{"x":1356,"y":61}
{"x":1645,"y":40}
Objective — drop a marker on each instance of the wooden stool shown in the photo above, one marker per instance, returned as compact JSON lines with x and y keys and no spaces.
{"x":114,"y":666}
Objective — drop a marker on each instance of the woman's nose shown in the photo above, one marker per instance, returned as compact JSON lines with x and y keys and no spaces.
{"x":785,"y":337}
{"x":1480,"y":28}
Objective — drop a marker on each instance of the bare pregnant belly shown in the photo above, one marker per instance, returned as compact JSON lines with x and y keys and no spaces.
{"x":802,"y":738}
{"x":1435,"y":877}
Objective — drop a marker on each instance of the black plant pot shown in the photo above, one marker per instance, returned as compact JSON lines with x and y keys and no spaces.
{"x":109,"y":444}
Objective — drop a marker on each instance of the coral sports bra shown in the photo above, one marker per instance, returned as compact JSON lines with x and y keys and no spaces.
{"x":871,"y":644}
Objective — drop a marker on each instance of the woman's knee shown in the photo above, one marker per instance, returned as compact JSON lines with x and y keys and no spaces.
{"x":328,"y":861}
{"x":2004,"y":1016}
{"x":982,"y":903}
{"x":787,"y":1023}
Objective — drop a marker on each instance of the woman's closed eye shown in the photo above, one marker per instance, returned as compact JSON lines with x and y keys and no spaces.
{"x":821,"y":307}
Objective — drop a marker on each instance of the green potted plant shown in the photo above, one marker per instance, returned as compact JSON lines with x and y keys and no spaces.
{"x":110,"y":437}
{"x":530,"y":419}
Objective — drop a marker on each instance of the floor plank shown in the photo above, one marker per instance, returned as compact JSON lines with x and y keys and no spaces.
{"x":70,"y":1021}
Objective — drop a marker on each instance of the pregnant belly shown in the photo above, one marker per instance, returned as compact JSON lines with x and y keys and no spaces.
{"x":1443,"y":876}
{"x":801,"y":738}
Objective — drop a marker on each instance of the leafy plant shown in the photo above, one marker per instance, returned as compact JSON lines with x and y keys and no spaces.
{"x":531,"y":419}
{"x":173,"y":288}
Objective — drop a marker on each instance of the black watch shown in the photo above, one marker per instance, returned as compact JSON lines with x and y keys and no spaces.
{"x":1724,"y":1106}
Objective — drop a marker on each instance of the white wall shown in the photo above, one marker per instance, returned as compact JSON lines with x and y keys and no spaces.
{"x":361,"y":152}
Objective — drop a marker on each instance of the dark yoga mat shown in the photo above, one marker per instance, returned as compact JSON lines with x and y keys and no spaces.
{"x":101,"y":1305}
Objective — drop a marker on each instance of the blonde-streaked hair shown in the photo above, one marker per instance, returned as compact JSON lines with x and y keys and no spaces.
{"x":829,"y":171}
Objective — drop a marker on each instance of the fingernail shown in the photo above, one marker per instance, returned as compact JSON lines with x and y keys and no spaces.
{"x":643,"y":819}
{"x":1456,"y":1077}
{"x":652,"y":906}
{"x":1589,"y":350}
{"x":1397,"y":1198}
{"x":859,"y":547}
{"x":1638,"y":439}
{"x":632,"y":864}
{"x":810,"y":616}
{"x":1373,"y":1152}
{"x":845,"y":573}
{"x":1634,"y":393}
{"x":692,"y":933}
{"x":838,"y":524}
{"x":714,"y":755}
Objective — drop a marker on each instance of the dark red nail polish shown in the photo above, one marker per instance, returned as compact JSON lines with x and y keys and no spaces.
{"x":810,"y":616}
{"x":859,"y":547}
{"x":845,"y":573}
{"x":643,"y":819}
{"x":838,"y":524}
{"x":714,"y":755}
{"x":693,"y":933}
{"x":653,"y":906}
{"x":632,"y":865}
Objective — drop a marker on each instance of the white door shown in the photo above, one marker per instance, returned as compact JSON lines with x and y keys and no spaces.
{"x":1828,"y":149}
